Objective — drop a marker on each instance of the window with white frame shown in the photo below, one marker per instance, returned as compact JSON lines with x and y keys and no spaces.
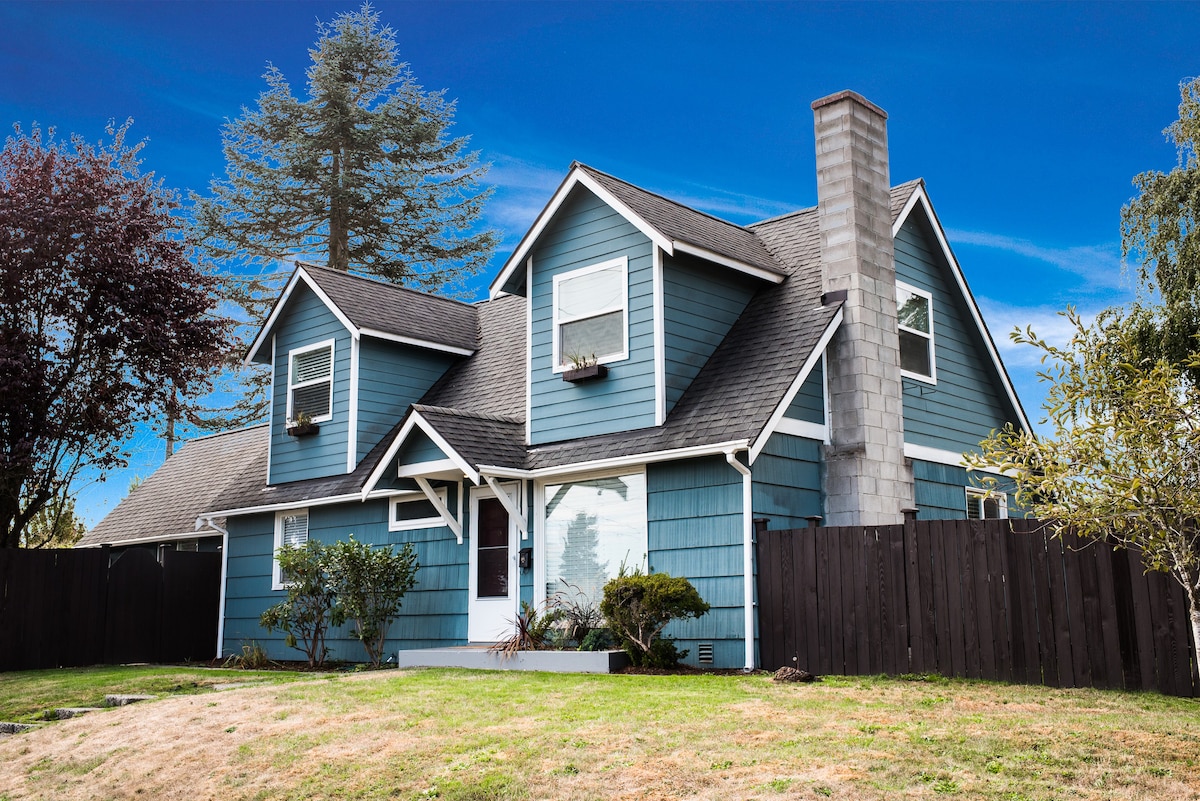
{"x":914,"y":313}
{"x":291,"y":528}
{"x":414,"y":510}
{"x":982,"y":505}
{"x":310,"y":382}
{"x":592,"y":527}
{"x":591,"y":311}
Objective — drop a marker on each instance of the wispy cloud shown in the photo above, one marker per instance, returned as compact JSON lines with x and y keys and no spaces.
{"x":1099,"y":264}
{"x":728,"y":205}
{"x":1046,"y":322}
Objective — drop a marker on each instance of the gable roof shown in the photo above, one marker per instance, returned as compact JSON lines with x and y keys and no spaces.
{"x":670,"y":225}
{"x":187,"y":485}
{"x":373,"y":308}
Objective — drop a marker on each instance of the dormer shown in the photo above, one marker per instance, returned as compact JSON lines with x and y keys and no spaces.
{"x":348,"y":356}
{"x":628,"y":294}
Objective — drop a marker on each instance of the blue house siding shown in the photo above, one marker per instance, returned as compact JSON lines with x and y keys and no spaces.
{"x":694,"y":517}
{"x":434,"y":612}
{"x":967,"y":402}
{"x":786,"y":480}
{"x":586,"y":232}
{"x":940,"y":491}
{"x":700,"y":304}
{"x":390,"y":377}
{"x":809,"y":403}
{"x":419,"y":448}
{"x":305,"y":322}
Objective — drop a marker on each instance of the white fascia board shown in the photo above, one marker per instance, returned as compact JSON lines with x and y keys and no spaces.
{"x":576,"y":177}
{"x":389,"y":454}
{"x":297,"y":277}
{"x":633,"y":460}
{"x":445,"y":448}
{"x":416,"y":343}
{"x":809,"y":363}
{"x":284,"y":506}
{"x":352,"y":439}
{"x":725,"y":261}
{"x":415,"y":420}
{"x":921,"y":198}
{"x":939,"y":456}
{"x":185,"y":535}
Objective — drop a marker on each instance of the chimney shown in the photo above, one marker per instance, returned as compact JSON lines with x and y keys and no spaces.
{"x":865,"y":478}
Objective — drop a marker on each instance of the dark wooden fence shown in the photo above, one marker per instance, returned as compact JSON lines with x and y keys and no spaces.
{"x":65,"y":608}
{"x":995,"y":599}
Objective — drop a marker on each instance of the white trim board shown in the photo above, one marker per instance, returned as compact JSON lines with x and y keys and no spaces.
{"x":920,"y":197}
{"x":648,"y":457}
{"x":925,"y":453}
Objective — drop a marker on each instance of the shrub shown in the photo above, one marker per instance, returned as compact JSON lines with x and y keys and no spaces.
{"x":252,"y":657}
{"x":533,"y":630}
{"x":370,"y":584}
{"x":579,"y":614}
{"x":309,"y":609}
{"x":639,"y":606}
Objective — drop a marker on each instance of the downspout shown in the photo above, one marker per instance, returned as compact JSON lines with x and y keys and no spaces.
{"x":200,"y":523}
{"x":747,"y":555}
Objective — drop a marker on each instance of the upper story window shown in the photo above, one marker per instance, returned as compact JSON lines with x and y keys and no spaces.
{"x":291,"y":528}
{"x":310,"y":382}
{"x":984,"y":506}
{"x":914,"y":312}
{"x":591,"y":311}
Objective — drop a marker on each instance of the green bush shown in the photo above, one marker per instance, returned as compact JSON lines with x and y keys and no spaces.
{"x":370,"y":584}
{"x":310,"y":606}
{"x":639,"y":606}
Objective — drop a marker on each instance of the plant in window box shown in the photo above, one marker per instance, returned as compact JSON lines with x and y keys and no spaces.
{"x":584,"y":368}
{"x":302,"y":426}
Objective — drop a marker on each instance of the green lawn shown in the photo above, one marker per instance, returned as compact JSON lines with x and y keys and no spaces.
{"x":485,"y":736}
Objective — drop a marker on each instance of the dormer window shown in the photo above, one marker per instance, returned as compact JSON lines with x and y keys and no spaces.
{"x":914,"y":313}
{"x":310,"y":382}
{"x":591,"y":310}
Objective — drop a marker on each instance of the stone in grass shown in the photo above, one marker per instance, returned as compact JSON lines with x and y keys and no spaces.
{"x":792,"y":674}
{"x":65,"y":712}
{"x":125,"y":700}
{"x":15,"y":728}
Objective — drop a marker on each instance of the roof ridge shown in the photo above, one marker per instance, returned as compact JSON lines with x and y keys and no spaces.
{"x":496,"y":418}
{"x":662,"y":197}
{"x":385,"y":284}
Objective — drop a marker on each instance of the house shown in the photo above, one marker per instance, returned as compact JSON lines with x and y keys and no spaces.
{"x":643,"y":382}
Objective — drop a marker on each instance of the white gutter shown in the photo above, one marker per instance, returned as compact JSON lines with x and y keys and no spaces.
{"x":208,"y":521}
{"x":747,"y":554}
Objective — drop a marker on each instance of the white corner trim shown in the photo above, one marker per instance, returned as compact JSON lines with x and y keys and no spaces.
{"x":277,"y":310}
{"x":747,"y":555}
{"x":725,"y":261}
{"x":454,"y":524}
{"x":224,"y":591}
{"x":352,"y":439}
{"x":815,"y":356}
{"x":921,"y":197}
{"x":271,"y":412}
{"x":507,"y":502}
{"x":925,"y":453}
{"x":576,"y":177}
{"x":660,"y":351}
{"x":803,"y":428}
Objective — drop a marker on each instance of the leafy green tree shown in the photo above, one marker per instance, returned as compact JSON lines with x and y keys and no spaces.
{"x":54,"y":526}
{"x":639,"y":606}
{"x":1121,"y":464}
{"x":370,"y":585}
{"x":1161,"y":229}
{"x":310,"y":607}
{"x":104,"y":320}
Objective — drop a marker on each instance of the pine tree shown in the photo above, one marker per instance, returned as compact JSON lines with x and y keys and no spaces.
{"x":363,"y":172}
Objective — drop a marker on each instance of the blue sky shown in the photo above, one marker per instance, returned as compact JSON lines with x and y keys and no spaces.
{"x":1027,"y":121}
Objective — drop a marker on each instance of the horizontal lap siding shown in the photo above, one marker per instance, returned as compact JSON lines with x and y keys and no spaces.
{"x":419,"y":448}
{"x":809,"y":403}
{"x":305,"y":322}
{"x":940,"y":490}
{"x":968,"y":401}
{"x":787,"y":481}
{"x":700,"y":305}
{"x":694,"y":516}
{"x":390,"y":377}
{"x":586,"y":232}
{"x":434,"y":612}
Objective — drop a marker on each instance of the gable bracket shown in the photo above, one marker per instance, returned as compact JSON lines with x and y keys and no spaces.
{"x":509,"y":506}
{"x":454,"y":523}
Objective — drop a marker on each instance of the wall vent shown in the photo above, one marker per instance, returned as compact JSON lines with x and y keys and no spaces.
{"x":704,"y":653}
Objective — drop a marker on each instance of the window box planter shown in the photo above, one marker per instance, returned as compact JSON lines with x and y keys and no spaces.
{"x":305,"y":430}
{"x":592,"y":372}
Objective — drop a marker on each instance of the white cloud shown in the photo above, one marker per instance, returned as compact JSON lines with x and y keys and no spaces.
{"x":1047,"y":323}
{"x":1099,"y":264}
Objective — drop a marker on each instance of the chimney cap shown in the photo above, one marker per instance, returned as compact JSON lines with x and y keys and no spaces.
{"x":847,"y":94}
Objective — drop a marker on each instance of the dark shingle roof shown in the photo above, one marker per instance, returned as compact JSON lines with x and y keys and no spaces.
{"x":188,"y":484}
{"x":398,"y":310}
{"x":678,"y":222}
{"x":486,"y":439}
{"x":493,"y":380}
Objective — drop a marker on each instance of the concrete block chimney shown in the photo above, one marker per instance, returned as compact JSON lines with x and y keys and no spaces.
{"x":866,"y":480}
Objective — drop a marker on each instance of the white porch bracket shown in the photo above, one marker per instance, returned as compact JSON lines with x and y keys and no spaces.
{"x":509,"y":506}
{"x":454,"y":523}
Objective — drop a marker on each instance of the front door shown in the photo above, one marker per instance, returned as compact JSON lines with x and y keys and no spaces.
{"x":494,"y":579}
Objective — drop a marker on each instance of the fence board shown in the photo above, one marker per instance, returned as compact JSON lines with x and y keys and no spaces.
{"x":986,"y":646}
{"x":1109,"y":627}
{"x":943,"y":608}
{"x":808,"y":595}
{"x":1002,"y":634}
{"x":897,"y":619}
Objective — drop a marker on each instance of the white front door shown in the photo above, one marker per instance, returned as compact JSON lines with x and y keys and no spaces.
{"x":494,"y":581}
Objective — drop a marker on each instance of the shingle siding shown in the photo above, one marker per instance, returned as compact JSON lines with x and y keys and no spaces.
{"x":809,"y":403}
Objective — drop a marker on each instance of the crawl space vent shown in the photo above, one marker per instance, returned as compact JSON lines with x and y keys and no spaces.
{"x":704,"y":652}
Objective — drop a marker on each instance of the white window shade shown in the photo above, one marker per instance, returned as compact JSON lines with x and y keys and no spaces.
{"x":591,"y":314}
{"x":295,"y":530}
{"x":310,"y":383}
